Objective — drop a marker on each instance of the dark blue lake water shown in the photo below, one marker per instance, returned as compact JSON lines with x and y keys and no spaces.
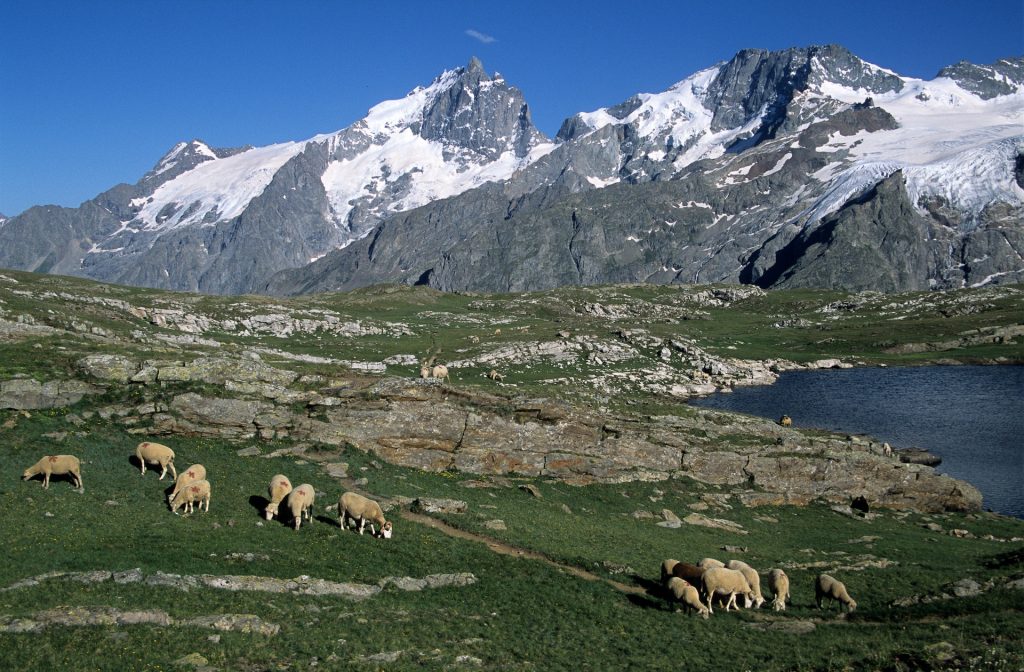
{"x":970,"y":416}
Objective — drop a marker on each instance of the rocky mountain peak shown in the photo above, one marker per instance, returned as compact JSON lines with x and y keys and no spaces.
{"x":481,"y":114}
{"x":1004,"y":77}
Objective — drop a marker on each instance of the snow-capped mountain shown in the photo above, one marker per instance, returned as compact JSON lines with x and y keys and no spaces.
{"x":736,"y":173}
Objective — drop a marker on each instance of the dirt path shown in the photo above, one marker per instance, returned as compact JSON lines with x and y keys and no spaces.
{"x":514,"y":551}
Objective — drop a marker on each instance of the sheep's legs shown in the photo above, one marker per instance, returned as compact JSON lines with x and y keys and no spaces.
{"x":46,"y":481}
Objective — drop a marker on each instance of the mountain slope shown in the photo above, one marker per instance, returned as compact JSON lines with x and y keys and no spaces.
{"x":726,"y":176}
{"x":722,"y":173}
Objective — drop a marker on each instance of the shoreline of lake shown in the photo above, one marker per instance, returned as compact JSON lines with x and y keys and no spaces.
{"x":930,"y":406}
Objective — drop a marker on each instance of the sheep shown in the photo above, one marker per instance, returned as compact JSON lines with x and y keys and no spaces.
{"x":434,"y":371}
{"x":722,"y":581}
{"x":709,"y":563}
{"x":49,"y":465}
{"x":196,"y":491}
{"x":752,"y":577}
{"x":683,"y":592}
{"x":279,"y":488}
{"x":666,"y":570}
{"x":786,"y":421}
{"x":362,"y":510}
{"x":156,"y":453}
{"x":440,"y":371}
{"x":495,"y":376}
{"x":826,"y":586}
{"x":300,"y":501}
{"x":778,"y":583}
{"x":474,"y":339}
{"x":196,"y":472}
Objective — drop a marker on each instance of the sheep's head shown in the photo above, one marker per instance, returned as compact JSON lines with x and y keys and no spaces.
{"x":270,"y":511}
{"x":851,"y":605}
{"x":385,"y":531}
{"x":28,"y":474}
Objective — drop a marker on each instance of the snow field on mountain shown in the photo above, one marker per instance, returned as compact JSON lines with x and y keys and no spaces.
{"x":225,"y":185}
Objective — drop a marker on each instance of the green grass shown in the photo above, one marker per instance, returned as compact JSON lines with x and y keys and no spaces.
{"x":521,"y":614}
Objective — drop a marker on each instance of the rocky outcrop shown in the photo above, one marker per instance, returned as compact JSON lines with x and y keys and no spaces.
{"x":28,"y":394}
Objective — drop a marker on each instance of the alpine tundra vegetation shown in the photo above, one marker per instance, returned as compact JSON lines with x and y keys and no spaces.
{"x":534,"y":511}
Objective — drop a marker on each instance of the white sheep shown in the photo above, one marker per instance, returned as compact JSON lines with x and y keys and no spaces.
{"x":440,"y":371}
{"x":666,"y":570}
{"x":279,"y":488}
{"x":826,"y":586}
{"x":752,"y":577}
{"x":709,"y":563}
{"x":684,"y":592}
{"x":731,"y":582}
{"x":300,"y":501}
{"x":778,"y":583}
{"x":148,"y":452}
{"x":56,"y":465}
{"x":362,"y":510}
{"x":196,"y":472}
{"x":196,"y":491}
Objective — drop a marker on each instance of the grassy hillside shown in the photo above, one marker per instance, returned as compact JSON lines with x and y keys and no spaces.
{"x":576,"y":586}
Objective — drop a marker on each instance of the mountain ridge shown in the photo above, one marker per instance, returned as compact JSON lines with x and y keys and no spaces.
{"x":264,"y":219}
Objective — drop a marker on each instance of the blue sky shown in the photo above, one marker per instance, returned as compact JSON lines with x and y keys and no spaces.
{"x":94,"y":93}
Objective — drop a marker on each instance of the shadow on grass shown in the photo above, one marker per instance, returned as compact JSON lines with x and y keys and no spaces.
{"x":326,"y":520}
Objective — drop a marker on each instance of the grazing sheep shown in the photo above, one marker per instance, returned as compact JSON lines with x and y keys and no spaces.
{"x":148,"y":452}
{"x":474,"y":339}
{"x":786,"y":421}
{"x":279,"y":488}
{"x":666,"y":570}
{"x":56,"y":465}
{"x":688,"y":572}
{"x":778,"y":583}
{"x":300,"y":501}
{"x":196,"y":472}
{"x":497,"y":332}
{"x":683,"y":592}
{"x":495,"y":376}
{"x":752,"y":577}
{"x":731,"y":582}
{"x":709,"y":563}
{"x":362,"y":510}
{"x":196,"y":491}
{"x":826,"y":586}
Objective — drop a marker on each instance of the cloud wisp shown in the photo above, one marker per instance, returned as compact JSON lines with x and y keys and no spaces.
{"x":481,"y":37}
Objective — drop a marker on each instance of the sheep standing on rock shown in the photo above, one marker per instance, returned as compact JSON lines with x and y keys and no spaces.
{"x":826,"y":586}
{"x":300,"y":501}
{"x":778,"y":583}
{"x":752,"y":577}
{"x":730,"y":582}
{"x":196,"y":491}
{"x":279,"y":488}
{"x":786,"y":421}
{"x":196,"y":472}
{"x":148,"y":452}
{"x":353,"y":506}
{"x":56,"y":465}
{"x":440,"y":371}
{"x":684,"y":592}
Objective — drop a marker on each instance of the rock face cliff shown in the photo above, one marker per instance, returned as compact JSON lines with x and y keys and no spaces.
{"x":771,"y":168}
{"x":426,"y":425}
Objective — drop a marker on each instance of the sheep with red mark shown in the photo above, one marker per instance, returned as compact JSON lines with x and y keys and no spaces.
{"x":196,"y":491}
{"x":56,"y":465}
{"x":300,"y":501}
{"x":279,"y":488}
{"x":195,"y":472}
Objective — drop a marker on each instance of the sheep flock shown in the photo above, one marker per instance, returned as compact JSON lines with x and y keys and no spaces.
{"x":192,"y":490}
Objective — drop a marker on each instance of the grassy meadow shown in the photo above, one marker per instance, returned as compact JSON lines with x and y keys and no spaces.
{"x":529,"y":608}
